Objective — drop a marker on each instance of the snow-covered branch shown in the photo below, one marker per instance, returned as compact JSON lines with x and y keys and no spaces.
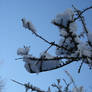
{"x":70,"y":47}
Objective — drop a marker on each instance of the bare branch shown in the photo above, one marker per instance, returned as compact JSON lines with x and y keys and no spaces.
{"x":48,"y":49}
{"x":81,"y":12}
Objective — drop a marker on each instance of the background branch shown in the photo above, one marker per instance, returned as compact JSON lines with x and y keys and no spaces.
{"x":28,"y":86}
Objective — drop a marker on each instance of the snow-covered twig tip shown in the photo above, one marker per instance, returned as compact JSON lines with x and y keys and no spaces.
{"x":28,"y":25}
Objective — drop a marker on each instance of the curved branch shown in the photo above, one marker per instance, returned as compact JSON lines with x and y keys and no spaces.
{"x":81,"y":12}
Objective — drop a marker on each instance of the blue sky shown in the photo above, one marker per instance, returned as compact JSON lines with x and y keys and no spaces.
{"x":13,"y":36}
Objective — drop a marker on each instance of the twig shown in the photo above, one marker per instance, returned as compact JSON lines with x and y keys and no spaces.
{"x":18,"y":58}
{"x":72,"y":80}
{"x":81,"y":17}
{"x":65,"y":81}
{"x":48,"y":48}
{"x":81,"y":12}
{"x":33,"y":88}
{"x":80,"y":67}
{"x":67,"y":85}
{"x":90,"y":7}
{"x":51,"y":43}
{"x":18,"y":82}
{"x":57,"y":86}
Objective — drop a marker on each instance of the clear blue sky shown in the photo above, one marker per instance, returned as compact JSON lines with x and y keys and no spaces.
{"x":13,"y":36}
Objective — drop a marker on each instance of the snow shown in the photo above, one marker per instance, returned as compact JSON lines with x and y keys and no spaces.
{"x":31,"y":27}
{"x":85,"y":52}
{"x":24,"y":22}
{"x":64,"y":17}
{"x":44,"y":65}
{"x":73,"y":27}
{"x":90,"y":62}
{"x":89,"y":36}
{"x":63,"y":32}
{"x":28,"y":25}
{"x":32,"y":67}
{"x":23,"y":51}
{"x":59,"y":51}
{"x":67,"y":43}
{"x":47,"y":65}
{"x":36,"y":66}
{"x":84,"y":49}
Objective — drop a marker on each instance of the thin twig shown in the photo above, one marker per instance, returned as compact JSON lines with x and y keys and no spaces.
{"x":51,"y":43}
{"x":90,"y":7}
{"x":81,"y":12}
{"x":57,"y":86}
{"x":33,"y":88}
{"x":18,"y":82}
{"x":48,"y":49}
{"x":80,"y":67}
{"x":67,"y":85}
{"x":65,"y":81}
{"x":71,"y":78}
{"x":81,"y":17}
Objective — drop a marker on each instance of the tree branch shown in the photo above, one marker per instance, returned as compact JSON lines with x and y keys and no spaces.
{"x":54,"y":58}
{"x":81,"y":12}
{"x":28,"y":86}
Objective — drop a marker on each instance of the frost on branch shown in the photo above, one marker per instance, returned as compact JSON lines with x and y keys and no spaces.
{"x":68,"y":36}
{"x":28,"y":25}
{"x":70,"y":39}
{"x":90,"y":37}
{"x":23,"y":51}
{"x":35,"y":65}
{"x":64,"y":17}
{"x":72,"y":46}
